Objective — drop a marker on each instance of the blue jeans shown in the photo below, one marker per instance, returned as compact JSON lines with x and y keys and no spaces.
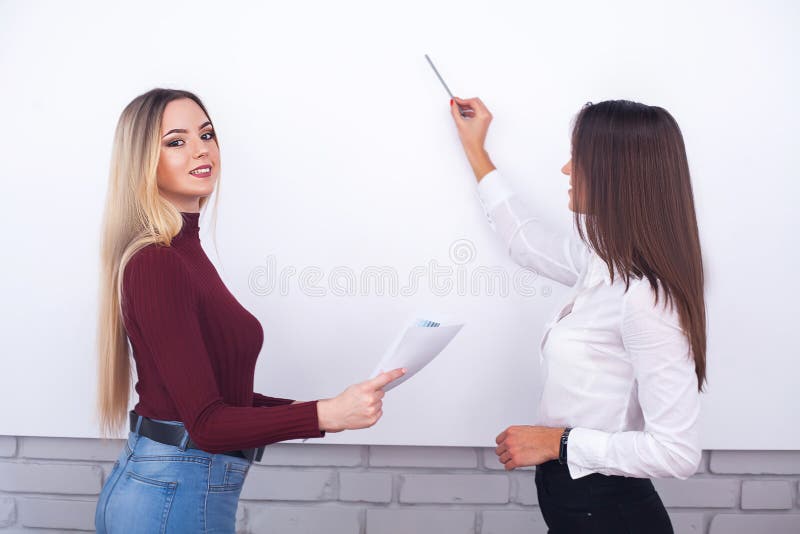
{"x":158,"y":488}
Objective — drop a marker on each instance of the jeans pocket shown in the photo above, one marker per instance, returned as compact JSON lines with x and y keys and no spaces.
{"x":235,"y":475}
{"x":139,"y":504}
{"x":223,"y":498}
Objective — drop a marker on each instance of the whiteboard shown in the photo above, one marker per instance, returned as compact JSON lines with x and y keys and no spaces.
{"x":339,"y":155}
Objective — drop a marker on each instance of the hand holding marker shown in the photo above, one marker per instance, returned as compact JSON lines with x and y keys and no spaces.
{"x":472,"y":121}
{"x":464,"y":111}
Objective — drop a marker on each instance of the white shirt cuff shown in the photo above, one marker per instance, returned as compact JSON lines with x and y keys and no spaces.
{"x":493,"y":189}
{"x":586,"y":449}
{"x":576,"y":471}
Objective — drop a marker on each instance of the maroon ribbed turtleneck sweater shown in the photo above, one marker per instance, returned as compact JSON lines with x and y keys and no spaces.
{"x":196,"y":348}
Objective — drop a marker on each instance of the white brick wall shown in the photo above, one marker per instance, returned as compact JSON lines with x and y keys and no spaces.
{"x":52,"y":484}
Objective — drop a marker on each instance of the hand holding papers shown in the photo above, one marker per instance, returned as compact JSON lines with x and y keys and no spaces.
{"x":415,"y":348}
{"x":359,"y":406}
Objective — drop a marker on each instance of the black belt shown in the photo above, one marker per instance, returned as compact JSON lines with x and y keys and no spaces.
{"x":174,"y":434}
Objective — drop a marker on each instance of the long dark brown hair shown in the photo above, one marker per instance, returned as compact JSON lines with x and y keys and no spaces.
{"x":631,"y":175}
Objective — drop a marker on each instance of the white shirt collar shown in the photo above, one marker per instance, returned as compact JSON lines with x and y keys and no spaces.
{"x":597,"y":271}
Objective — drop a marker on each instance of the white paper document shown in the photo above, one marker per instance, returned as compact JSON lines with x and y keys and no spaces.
{"x":415,"y":348}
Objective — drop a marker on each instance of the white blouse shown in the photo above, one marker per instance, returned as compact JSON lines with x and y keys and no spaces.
{"x":616,"y":367}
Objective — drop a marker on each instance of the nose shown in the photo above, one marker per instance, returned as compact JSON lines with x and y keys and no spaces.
{"x":567,"y":168}
{"x":201,"y":149}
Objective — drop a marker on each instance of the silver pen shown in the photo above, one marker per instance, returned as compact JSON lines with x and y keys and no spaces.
{"x":460,"y":109}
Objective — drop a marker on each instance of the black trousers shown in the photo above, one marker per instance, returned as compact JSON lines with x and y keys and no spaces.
{"x":599,"y":503}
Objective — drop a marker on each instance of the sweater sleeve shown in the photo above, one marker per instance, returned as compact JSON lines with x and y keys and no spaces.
{"x":263,"y":400}
{"x":163,"y":304}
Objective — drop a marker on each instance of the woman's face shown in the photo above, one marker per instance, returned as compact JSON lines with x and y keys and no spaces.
{"x":567,"y":169}
{"x":187,"y":144}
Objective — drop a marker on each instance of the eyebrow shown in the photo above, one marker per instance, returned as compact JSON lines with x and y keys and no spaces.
{"x":181,"y":130}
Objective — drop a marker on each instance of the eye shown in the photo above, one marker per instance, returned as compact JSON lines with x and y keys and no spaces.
{"x":210,"y":135}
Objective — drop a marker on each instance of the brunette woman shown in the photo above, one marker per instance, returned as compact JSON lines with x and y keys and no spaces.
{"x":623,"y":359}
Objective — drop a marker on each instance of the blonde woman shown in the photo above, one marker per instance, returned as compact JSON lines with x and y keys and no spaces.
{"x":624,"y":357}
{"x":198,"y":425}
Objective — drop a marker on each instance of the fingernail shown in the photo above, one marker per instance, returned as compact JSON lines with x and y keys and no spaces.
{"x":451,"y":101}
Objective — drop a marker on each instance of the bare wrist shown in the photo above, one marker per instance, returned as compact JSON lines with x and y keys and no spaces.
{"x":557,"y":432}
{"x":480,"y":162}
{"x":323,"y":406}
{"x":475,"y":152}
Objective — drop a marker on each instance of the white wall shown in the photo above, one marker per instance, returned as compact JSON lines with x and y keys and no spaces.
{"x":338,"y":151}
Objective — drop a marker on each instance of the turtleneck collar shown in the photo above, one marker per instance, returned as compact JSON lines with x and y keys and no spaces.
{"x":191,"y":224}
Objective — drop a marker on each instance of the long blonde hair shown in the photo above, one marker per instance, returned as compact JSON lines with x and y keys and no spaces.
{"x":135,"y":216}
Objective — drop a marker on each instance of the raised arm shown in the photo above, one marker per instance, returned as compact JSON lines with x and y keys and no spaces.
{"x":529,"y":241}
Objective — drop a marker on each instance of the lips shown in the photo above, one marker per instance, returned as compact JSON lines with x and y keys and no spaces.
{"x":203,"y":171}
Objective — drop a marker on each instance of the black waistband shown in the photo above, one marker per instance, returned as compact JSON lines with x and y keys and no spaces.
{"x":174,"y":435}
{"x":554,"y":470}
